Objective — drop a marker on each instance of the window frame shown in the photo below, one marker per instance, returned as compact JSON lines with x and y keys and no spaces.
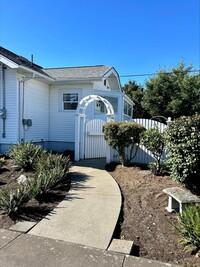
{"x":100,"y":107}
{"x":69,"y":102}
{"x":68,"y":91}
{"x":128,"y":109}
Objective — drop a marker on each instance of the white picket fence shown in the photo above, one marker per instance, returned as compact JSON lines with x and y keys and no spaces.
{"x":143,"y":156}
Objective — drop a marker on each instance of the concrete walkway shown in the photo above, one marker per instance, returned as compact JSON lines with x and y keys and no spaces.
{"x":78,"y":232}
{"x":90,"y":211}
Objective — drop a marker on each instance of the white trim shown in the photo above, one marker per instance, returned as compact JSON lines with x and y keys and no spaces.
{"x":8,"y":62}
{"x":62,"y":91}
{"x":80,"y":123}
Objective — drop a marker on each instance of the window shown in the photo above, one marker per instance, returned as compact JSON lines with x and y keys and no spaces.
{"x":100,"y":107}
{"x":70,"y":101}
{"x":128,"y":110}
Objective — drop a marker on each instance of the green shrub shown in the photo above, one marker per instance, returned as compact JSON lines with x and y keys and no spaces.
{"x":52,"y":170}
{"x":26,"y":155}
{"x":163,"y":168}
{"x":154,"y":141}
{"x":2,"y":162}
{"x":189,"y":227}
{"x":12,"y":199}
{"x":120,"y":135}
{"x":183,"y":142}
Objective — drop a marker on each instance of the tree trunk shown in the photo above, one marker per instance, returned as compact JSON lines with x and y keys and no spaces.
{"x":122,"y":156}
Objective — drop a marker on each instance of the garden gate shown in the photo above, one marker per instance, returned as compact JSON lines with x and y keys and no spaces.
{"x":83,"y":150}
{"x":95,"y":144}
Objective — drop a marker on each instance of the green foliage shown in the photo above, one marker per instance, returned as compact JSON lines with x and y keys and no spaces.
{"x":183,"y":142}
{"x":154,"y":141}
{"x":26,"y":155}
{"x":120,"y":135}
{"x":189,"y":227}
{"x":2,"y":161}
{"x":162,"y":170}
{"x":12,"y":199}
{"x":136,"y":93}
{"x":52,"y":170}
{"x":173,"y":93}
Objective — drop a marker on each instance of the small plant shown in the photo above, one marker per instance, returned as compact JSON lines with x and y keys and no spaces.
{"x":154,"y":141}
{"x":189,"y":227}
{"x":2,"y":162}
{"x":163,"y":170}
{"x":26,"y":155}
{"x":52,"y":170}
{"x":12,"y":199}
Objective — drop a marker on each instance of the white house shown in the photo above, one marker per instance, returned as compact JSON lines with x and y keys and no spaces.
{"x":59,"y":108}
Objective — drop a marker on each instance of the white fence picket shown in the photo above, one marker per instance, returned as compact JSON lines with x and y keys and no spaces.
{"x":143,"y":156}
{"x":95,"y":144}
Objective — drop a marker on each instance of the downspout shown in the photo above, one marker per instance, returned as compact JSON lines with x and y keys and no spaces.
{"x":3,"y":110}
{"x":19,"y":112}
{"x":23,"y":87}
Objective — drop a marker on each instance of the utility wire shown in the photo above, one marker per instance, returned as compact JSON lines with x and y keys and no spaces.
{"x":152,"y":74}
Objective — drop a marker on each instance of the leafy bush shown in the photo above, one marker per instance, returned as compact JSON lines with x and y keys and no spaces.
{"x":26,"y":155}
{"x":189,"y":227}
{"x":163,"y":169}
{"x":2,"y":161}
{"x":183,"y":142}
{"x":120,"y":135}
{"x":52,"y":170}
{"x":154,"y":141}
{"x":12,"y":199}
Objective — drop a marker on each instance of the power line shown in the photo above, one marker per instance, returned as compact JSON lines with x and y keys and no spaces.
{"x":155,"y":73}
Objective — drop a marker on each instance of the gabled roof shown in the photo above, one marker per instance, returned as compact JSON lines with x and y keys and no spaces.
{"x":85,"y":72}
{"x":21,"y":61}
{"x":57,"y":74}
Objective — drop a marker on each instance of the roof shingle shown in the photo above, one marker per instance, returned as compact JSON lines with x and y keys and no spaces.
{"x":59,"y":74}
{"x":21,"y":61}
{"x":78,"y":72}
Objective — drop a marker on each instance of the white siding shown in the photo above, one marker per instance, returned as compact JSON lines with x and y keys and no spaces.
{"x":36,"y":108}
{"x":62,"y":122}
{"x":11,"y":106}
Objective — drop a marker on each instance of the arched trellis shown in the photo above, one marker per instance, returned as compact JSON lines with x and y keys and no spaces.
{"x":80,"y":121}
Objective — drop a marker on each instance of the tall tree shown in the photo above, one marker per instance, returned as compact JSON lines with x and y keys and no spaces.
{"x":136,"y":94}
{"x":173,"y":93}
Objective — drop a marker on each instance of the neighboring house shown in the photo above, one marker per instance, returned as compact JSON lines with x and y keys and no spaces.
{"x":40,"y":105}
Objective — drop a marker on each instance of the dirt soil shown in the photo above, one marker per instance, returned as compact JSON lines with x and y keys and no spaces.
{"x":144,"y":219}
{"x":34,"y":210}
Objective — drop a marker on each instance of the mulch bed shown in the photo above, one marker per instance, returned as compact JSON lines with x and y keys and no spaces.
{"x":34,"y":210}
{"x":144,"y":218}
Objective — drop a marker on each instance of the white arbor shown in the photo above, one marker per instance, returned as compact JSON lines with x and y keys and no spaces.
{"x":80,"y":122}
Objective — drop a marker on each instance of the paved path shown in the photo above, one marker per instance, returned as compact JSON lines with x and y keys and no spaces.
{"x":90,"y":211}
{"x":79,"y":230}
{"x":22,"y":250}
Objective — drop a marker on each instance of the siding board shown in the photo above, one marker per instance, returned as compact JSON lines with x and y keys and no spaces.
{"x":11,"y":106}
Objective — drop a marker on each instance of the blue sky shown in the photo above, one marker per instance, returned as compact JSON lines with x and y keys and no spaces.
{"x":134,"y":36}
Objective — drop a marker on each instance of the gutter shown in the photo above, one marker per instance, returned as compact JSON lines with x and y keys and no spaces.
{"x":36,"y":73}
